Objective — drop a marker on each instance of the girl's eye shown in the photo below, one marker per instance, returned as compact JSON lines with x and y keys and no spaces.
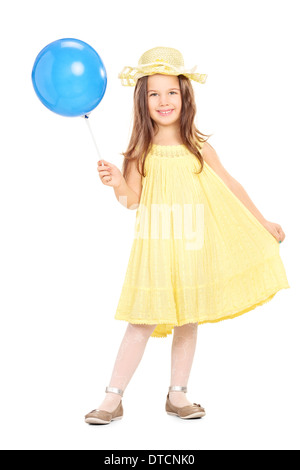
{"x":153,"y":94}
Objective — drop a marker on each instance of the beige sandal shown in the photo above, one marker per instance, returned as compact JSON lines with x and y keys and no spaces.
{"x":185,"y":412}
{"x":103,"y":416}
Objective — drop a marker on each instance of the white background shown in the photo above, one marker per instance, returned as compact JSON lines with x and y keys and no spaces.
{"x":65,"y":239}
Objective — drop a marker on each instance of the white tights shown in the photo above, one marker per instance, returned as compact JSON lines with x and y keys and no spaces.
{"x":132,"y":350}
{"x":183,"y":352}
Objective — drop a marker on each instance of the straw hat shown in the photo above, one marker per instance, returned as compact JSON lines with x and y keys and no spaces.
{"x":162,"y":60}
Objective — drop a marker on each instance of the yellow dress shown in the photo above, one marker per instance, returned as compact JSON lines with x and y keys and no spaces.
{"x":198,"y":254}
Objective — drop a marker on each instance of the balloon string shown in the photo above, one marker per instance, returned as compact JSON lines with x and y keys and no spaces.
{"x":86,"y":118}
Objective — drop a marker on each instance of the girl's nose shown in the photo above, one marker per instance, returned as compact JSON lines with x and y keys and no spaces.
{"x":164,"y":101}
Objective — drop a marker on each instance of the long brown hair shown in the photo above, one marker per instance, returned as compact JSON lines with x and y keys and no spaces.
{"x":144,"y":128}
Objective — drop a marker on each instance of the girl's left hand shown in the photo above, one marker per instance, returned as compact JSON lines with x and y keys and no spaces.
{"x":275,"y":230}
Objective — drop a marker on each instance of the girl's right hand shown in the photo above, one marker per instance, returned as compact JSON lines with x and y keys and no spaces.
{"x":109,"y":174}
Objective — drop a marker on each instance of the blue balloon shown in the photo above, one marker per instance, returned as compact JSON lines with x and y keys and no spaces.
{"x":69,"y":77}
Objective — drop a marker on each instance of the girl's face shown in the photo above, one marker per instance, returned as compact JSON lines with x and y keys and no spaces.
{"x":164,"y":99}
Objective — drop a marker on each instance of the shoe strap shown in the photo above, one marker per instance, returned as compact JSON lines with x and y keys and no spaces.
{"x":118,"y":391}
{"x":177,"y":388}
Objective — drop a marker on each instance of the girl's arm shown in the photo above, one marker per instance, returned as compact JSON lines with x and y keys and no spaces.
{"x":126,"y":196}
{"x":211,"y":158}
{"x":128,"y":192}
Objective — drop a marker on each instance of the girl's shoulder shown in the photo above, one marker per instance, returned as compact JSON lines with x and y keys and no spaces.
{"x":205,"y":147}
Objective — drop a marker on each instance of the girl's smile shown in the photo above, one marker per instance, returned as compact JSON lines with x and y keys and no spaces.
{"x":165,"y":113}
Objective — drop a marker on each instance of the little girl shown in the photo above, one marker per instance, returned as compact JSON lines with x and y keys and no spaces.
{"x":202,"y":251}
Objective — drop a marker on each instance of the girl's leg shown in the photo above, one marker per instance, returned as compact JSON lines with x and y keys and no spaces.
{"x":183,"y":352}
{"x":129,"y":356}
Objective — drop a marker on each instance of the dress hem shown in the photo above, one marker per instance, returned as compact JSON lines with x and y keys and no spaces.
{"x":223,"y":317}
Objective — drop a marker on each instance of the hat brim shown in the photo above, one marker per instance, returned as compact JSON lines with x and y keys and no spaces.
{"x":130,"y":75}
